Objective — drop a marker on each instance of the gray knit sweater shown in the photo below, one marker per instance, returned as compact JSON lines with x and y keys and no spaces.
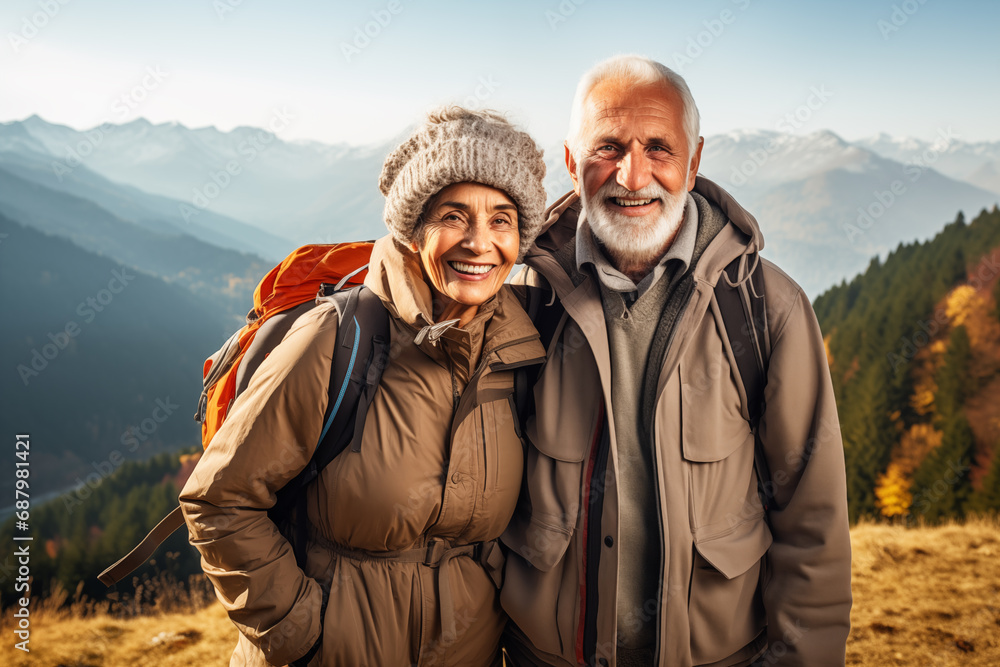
{"x":637,"y":323}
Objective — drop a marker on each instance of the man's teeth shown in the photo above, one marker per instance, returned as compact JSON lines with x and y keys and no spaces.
{"x":632,"y":202}
{"x":471,"y":268}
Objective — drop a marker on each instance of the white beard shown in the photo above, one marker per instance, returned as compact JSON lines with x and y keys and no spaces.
{"x":634,"y":244}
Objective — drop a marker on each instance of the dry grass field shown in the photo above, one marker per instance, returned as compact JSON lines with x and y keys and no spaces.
{"x":922,"y":596}
{"x":926,"y":596}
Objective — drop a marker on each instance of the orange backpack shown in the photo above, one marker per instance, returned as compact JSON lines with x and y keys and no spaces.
{"x":289,"y":285}
{"x":310,"y":275}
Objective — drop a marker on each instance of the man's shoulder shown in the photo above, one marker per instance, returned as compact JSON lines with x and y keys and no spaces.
{"x":782,"y":296}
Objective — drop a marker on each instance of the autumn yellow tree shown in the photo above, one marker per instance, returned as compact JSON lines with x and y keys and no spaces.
{"x":892,"y":495}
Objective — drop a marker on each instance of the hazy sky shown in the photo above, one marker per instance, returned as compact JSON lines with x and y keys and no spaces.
{"x":362,"y":71}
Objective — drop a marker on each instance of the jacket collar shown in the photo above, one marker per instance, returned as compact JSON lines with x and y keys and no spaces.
{"x":395,"y":275}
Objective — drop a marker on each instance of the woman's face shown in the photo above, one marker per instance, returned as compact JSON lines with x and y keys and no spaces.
{"x":470,"y":244}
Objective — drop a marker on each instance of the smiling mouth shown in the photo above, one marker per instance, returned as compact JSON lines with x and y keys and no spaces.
{"x":630,"y":202}
{"x":471,"y":269}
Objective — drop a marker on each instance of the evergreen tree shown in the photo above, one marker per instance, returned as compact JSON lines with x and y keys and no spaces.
{"x":941,"y":485}
{"x":953,"y":379}
{"x":869,"y":434}
{"x":996,"y":300}
{"x":987,"y":499}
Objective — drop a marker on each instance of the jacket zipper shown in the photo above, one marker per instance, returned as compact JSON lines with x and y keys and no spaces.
{"x":659,"y":500}
{"x":486,"y":454}
{"x":474,"y":378}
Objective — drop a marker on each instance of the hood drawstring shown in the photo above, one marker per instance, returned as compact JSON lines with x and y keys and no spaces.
{"x":746,"y":276}
{"x":432,"y":332}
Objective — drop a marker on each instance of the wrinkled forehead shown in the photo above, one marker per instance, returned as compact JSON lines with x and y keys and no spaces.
{"x":614,"y":106}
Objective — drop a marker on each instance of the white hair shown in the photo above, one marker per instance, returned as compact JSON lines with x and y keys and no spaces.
{"x":639,"y":71}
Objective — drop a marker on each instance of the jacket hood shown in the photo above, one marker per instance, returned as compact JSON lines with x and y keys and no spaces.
{"x":395,"y":275}
{"x":559,"y":228}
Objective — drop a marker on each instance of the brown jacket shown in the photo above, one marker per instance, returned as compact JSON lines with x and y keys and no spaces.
{"x":439,"y":463}
{"x":731,"y":579}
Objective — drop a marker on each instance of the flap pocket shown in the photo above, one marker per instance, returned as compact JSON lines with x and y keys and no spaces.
{"x":540,"y":544}
{"x":734,"y":552}
{"x":566,"y":414}
{"x":712,"y":422}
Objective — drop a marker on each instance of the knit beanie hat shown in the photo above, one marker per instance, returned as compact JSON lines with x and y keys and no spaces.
{"x":456,"y":145}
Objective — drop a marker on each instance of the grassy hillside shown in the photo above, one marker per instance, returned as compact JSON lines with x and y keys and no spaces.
{"x":922,"y":596}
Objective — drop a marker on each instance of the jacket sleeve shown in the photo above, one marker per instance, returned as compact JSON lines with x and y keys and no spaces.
{"x":808,"y":596}
{"x":268,"y":437}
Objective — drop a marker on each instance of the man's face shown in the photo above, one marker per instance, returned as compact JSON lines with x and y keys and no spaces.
{"x":635,"y":167}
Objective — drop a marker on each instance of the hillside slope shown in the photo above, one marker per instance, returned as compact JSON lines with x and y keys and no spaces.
{"x":91,"y":353}
{"x":948,"y":617}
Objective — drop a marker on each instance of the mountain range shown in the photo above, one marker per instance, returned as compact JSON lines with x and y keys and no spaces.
{"x":825,"y":204}
{"x":199,"y":215}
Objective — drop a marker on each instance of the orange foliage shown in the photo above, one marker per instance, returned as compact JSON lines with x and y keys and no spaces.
{"x":892,"y":492}
{"x":826,"y":346}
{"x":188,"y":462}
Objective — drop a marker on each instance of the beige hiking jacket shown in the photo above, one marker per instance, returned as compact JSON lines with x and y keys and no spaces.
{"x":439,"y":466}
{"x":731,"y":580}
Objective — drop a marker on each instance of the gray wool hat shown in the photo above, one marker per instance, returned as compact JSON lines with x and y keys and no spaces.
{"x":456,"y":145}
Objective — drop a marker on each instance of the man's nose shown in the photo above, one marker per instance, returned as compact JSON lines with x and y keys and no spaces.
{"x":635,"y":170}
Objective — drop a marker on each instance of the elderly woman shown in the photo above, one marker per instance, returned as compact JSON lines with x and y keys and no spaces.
{"x":403,"y":564}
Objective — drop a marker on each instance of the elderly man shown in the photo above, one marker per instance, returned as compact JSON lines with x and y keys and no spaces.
{"x":641,"y":537}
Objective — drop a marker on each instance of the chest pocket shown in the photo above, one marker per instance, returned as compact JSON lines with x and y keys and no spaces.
{"x":716,"y":441}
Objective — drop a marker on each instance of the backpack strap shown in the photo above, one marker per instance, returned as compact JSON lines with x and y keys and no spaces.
{"x":742,"y":305}
{"x":141,"y":553}
{"x":361,"y":354}
{"x":358,"y":361}
{"x":547,"y":314}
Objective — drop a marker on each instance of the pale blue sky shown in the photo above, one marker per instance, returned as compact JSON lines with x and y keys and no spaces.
{"x":928,"y":65}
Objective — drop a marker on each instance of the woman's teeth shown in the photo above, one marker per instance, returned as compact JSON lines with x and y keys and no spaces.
{"x":471,"y":268}
{"x":631,"y":202}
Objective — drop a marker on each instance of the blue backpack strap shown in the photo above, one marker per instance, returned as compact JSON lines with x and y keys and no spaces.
{"x":360,"y":356}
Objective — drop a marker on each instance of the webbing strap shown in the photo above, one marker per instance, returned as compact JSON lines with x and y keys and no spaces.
{"x":141,"y":553}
